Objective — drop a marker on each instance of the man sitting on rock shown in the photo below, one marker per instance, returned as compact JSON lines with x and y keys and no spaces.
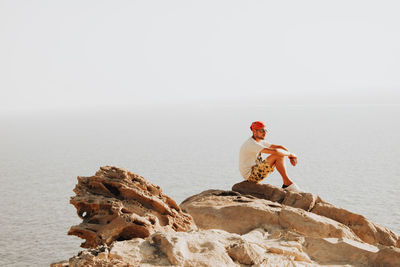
{"x":251,"y":165}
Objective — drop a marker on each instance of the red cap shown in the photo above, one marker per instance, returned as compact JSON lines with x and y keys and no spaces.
{"x":257,"y":125}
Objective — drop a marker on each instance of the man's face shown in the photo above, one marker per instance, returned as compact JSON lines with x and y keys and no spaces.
{"x":260,"y":133}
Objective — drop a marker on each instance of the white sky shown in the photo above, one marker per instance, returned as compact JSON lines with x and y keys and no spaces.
{"x":69,"y":54}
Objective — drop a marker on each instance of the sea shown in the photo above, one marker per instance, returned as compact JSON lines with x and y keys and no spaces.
{"x":348,"y":154}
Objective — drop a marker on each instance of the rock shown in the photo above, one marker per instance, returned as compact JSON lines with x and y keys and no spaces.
{"x":305,"y":201}
{"x":198,"y":248}
{"x":214,"y":208}
{"x":302,"y":235}
{"x":340,"y":251}
{"x":195,"y":249}
{"x":388,"y":256}
{"x":246,"y":253}
{"x":138,"y":252}
{"x":333,"y":251}
{"x":253,"y":225}
{"x":94,"y":257}
{"x":220,"y":248}
{"x":115,"y":204}
{"x":367,"y":231}
{"x":211,"y":208}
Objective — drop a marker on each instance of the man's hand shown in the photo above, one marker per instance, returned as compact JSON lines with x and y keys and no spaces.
{"x":293,"y":159}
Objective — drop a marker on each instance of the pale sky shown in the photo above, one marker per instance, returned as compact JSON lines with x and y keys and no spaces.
{"x":71,"y":54}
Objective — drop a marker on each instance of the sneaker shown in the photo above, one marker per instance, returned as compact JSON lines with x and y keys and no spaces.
{"x":294,"y":188}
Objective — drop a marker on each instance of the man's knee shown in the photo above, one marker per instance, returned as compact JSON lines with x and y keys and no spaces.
{"x":272,"y":159}
{"x":281,"y":158}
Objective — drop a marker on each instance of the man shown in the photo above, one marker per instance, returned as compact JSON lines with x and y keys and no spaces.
{"x":251,"y":165}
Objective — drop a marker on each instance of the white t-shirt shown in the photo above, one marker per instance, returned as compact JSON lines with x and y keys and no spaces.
{"x":248,"y":154}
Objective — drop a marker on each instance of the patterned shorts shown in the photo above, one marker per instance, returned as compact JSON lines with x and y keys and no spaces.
{"x":260,"y":171}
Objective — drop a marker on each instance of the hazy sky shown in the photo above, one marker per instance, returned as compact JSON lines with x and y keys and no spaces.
{"x":72,"y":54}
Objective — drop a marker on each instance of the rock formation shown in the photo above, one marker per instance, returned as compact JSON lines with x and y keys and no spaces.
{"x":366,"y":230}
{"x":134,"y":224}
{"x":198,"y":248}
{"x":118,"y":205}
{"x":310,"y":238}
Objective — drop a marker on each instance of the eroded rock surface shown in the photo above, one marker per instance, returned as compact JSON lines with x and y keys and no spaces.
{"x":304,"y":235}
{"x":366,"y":230}
{"x":258,"y":247}
{"x":235,"y":213}
{"x":115,"y":204}
{"x":199,"y":248}
{"x":131,"y":223}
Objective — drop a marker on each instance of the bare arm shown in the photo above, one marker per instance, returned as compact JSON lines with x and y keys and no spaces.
{"x":284,"y":148}
{"x":278,"y":146}
{"x":281,"y":151}
{"x":277,"y":151}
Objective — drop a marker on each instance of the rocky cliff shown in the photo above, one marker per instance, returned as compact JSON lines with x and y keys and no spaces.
{"x":128,"y":221}
{"x":117,"y":205}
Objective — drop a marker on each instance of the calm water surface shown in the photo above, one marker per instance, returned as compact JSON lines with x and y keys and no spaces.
{"x":349,"y":156}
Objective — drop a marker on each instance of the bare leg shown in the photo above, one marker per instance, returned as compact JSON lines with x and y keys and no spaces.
{"x":279,"y":163}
